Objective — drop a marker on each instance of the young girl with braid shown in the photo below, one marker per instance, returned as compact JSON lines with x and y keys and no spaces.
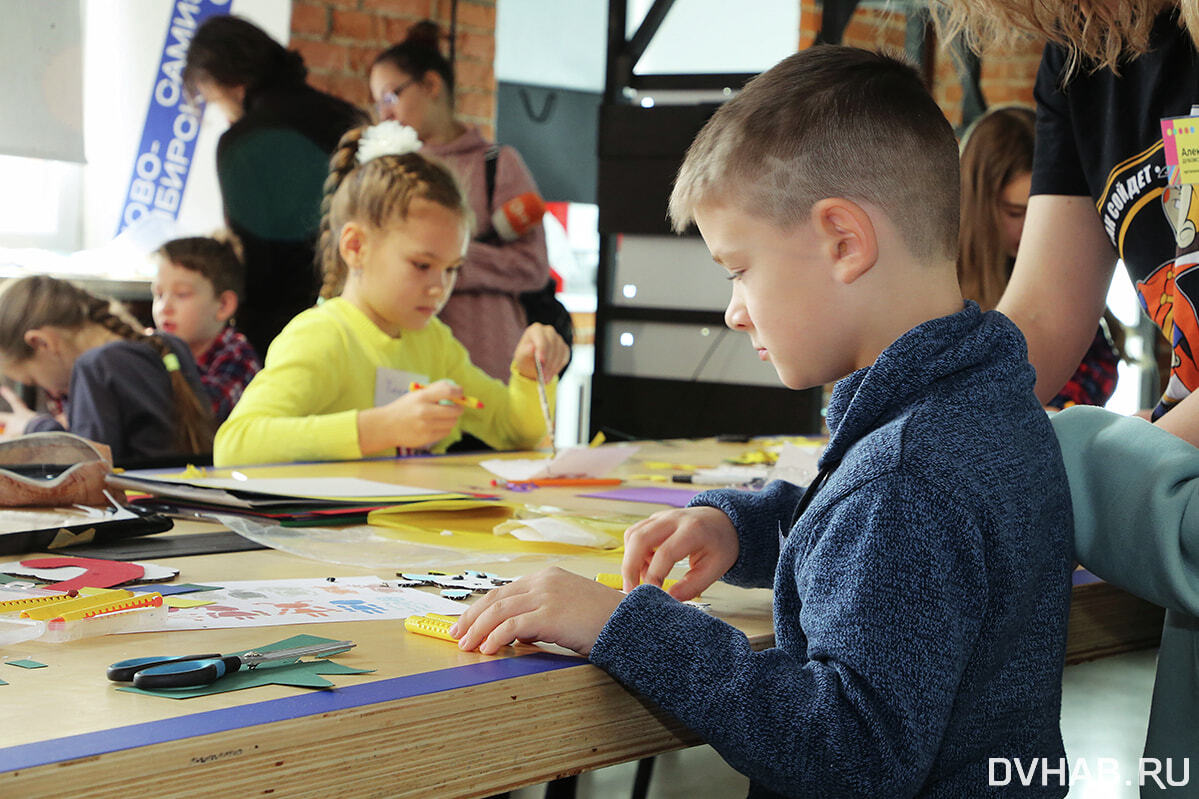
{"x":337,"y":382}
{"x":139,"y":394}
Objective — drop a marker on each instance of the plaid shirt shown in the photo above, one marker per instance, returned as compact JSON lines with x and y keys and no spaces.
{"x":225,"y":369}
{"x":1095,"y":381}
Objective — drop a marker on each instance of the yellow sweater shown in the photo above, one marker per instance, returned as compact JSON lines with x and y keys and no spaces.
{"x":320,"y":371}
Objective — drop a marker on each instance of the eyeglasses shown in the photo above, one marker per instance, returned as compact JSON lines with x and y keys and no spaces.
{"x":390,"y":98}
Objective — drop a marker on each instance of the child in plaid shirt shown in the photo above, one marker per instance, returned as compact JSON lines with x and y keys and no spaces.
{"x":196,"y":294}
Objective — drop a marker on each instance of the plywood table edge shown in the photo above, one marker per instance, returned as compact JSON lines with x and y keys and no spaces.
{"x":529,"y":729}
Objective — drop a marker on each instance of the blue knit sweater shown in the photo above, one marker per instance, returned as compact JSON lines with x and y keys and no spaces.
{"x":920,"y":600}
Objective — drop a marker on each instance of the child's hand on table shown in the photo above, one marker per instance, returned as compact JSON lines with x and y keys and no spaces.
{"x":654,"y":545}
{"x":553,"y":605}
{"x":417,"y":419}
{"x":540,"y":341}
{"x":13,"y":423}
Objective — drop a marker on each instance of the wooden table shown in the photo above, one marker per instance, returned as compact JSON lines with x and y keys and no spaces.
{"x":430,"y":721}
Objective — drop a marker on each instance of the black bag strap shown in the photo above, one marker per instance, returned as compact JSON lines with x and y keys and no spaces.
{"x":490,"y":159}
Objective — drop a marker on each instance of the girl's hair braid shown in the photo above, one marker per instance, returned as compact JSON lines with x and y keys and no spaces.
{"x":329,"y":262}
{"x":39,"y":301}
{"x":377,"y":193}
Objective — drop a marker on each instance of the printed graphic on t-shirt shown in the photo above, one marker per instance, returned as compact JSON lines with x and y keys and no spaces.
{"x":1181,"y":327}
{"x":1138,"y":208}
{"x":1128,"y":206}
{"x":1165,"y":296}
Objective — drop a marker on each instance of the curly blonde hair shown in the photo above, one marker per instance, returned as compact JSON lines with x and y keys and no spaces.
{"x":1095,"y":34}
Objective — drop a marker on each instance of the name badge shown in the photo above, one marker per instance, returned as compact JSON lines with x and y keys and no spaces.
{"x":1180,"y":141}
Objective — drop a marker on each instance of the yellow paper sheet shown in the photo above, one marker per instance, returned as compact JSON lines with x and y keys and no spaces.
{"x":467,"y":528}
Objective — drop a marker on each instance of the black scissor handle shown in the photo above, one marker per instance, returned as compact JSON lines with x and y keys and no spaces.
{"x":186,"y":673}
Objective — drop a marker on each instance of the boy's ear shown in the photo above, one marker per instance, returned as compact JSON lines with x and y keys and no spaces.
{"x":226,"y":305}
{"x":352,"y":245}
{"x":850,"y":236}
{"x":38,"y":338}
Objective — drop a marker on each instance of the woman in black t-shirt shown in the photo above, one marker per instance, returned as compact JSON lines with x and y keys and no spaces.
{"x":1109,"y":74}
{"x":271,"y":163}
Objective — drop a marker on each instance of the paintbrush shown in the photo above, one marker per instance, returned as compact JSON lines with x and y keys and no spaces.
{"x":545,"y":406}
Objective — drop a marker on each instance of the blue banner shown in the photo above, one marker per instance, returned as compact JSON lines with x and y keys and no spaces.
{"x":172,"y":123}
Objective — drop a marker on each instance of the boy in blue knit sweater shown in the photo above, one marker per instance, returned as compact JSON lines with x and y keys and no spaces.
{"x":921,"y":582}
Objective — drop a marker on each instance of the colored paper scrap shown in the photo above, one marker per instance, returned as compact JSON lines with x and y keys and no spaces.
{"x":304,"y":674}
{"x":176,"y":601}
{"x":572,"y":462}
{"x":176,"y":588}
{"x":90,"y":572}
{"x":96,"y":573}
{"x":26,"y":663}
{"x":657,"y":495}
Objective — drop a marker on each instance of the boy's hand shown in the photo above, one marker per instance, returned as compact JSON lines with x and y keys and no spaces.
{"x":540,"y":342}
{"x":553,"y":605}
{"x":14,"y":422}
{"x":653,"y":545}
{"x":415,"y":420}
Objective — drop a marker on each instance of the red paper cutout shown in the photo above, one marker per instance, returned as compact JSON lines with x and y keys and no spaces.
{"x":97,"y":573}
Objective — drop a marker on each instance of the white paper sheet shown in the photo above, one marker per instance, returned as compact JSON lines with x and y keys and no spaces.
{"x":16,"y":521}
{"x":573,"y":462}
{"x":268,"y":603}
{"x":797,"y":465}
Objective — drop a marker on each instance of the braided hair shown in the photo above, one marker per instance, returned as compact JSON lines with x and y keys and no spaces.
{"x":39,"y":301}
{"x":378,"y":193}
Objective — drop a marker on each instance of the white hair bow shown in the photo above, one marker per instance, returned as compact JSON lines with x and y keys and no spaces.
{"x":387,"y":138}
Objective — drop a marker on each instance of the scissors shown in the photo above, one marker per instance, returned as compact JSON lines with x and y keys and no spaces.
{"x":193,"y":670}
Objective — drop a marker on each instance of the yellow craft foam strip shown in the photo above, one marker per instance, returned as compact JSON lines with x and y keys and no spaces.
{"x":617,"y":582}
{"x":9,"y":605}
{"x":54,"y":610}
{"x":432,"y":627}
{"x":139,"y":601}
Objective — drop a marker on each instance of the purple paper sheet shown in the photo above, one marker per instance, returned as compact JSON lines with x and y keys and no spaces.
{"x":674,"y":497}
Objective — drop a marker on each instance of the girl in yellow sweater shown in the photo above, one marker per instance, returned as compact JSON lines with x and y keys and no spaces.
{"x":336,"y":383}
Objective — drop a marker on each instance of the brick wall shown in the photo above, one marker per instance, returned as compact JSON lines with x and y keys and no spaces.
{"x":1007,"y":77}
{"x":340,"y":38}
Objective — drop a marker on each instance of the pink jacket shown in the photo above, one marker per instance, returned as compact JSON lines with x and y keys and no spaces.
{"x":484,"y":312}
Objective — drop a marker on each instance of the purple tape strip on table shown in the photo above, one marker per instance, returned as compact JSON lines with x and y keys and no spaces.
{"x":57,"y":750}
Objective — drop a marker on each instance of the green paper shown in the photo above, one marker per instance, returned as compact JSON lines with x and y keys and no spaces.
{"x":15,"y":578}
{"x":301,"y":675}
{"x":26,"y":664}
{"x":2,"y":682}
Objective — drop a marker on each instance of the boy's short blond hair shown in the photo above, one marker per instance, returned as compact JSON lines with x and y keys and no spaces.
{"x":830,"y":121}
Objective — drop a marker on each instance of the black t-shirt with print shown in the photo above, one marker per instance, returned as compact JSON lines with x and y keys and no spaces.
{"x":1100,"y":136}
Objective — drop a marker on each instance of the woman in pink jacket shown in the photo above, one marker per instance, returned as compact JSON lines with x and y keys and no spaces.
{"x":413,"y":83}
